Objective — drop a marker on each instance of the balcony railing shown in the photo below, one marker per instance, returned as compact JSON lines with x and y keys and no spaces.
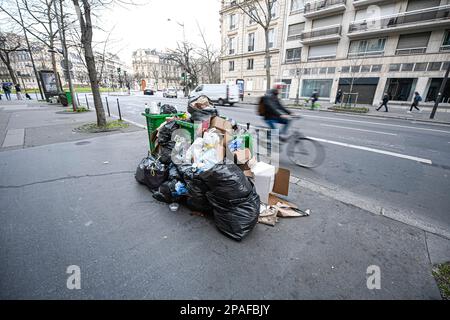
{"x":293,"y":60}
{"x":322,"y":32}
{"x":409,"y":51}
{"x":400,"y":19}
{"x":326,"y":57}
{"x":445,"y":48}
{"x":321,"y":5}
{"x":366,"y":54}
{"x":294,"y":37}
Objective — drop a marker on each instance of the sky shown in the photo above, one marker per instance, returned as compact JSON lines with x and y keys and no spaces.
{"x":147,"y":25}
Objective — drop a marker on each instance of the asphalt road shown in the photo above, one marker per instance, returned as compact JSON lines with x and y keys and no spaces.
{"x":401,"y":166}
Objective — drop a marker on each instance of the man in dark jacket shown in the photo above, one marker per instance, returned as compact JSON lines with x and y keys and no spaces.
{"x":416,"y":101}
{"x":274,"y":112}
{"x":384,"y":103}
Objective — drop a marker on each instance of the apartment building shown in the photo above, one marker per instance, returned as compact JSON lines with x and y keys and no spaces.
{"x":367,"y":47}
{"x":156,"y":69}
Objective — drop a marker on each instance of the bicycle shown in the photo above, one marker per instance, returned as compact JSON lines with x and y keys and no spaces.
{"x":301,"y":150}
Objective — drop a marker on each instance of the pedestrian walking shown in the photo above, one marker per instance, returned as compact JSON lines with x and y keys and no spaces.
{"x":338,"y":97}
{"x":416,"y":101}
{"x":18,"y":92}
{"x":7,"y":91}
{"x":384,"y":103}
{"x":314,"y":98}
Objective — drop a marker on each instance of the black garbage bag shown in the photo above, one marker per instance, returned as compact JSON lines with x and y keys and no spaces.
{"x":201,"y":108}
{"x":235,"y":218}
{"x":169,"y":193}
{"x":227,"y":180}
{"x":168,"y":109}
{"x":151,"y":172}
{"x":165,"y":152}
{"x":165,"y":132}
{"x":196,"y":198}
{"x":173,"y":173}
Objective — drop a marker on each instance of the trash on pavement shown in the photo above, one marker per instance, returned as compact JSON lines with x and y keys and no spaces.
{"x":151,"y":172}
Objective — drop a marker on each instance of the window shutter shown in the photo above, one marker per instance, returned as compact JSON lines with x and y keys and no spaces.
{"x":323,"y":50}
{"x":422,"y":4}
{"x":416,"y":40}
{"x":295,"y":29}
{"x":328,"y":21}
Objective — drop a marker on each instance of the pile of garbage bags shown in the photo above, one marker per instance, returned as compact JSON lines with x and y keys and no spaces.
{"x":198,"y":175}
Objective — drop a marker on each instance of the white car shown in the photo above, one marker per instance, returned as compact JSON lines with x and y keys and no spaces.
{"x":170,"y":93}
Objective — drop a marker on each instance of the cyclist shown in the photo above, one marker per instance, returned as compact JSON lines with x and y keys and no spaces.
{"x":273,"y":111}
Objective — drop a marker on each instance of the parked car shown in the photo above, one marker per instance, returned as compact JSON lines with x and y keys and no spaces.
{"x":149,"y":92}
{"x":170,"y":93}
{"x":220,"y":93}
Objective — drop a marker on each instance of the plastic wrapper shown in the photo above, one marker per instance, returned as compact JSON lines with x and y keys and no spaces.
{"x":201,"y":108}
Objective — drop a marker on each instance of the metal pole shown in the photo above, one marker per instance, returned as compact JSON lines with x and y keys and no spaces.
{"x":118,"y":107}
{"x":87,"y":101}
{"x":107,"y":106}
{"x":441,"y":92}
{"x":78,"y":99}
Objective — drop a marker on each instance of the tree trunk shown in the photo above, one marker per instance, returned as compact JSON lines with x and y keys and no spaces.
{"x":86,"y":40}
{"x":297,"y":95}
{"x":267,"y":58}
{"x":7,"y":61}
{"x":52,"y":46}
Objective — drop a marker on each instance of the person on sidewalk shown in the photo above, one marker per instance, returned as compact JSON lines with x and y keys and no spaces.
{"x":314,"y":98}
{"x":18,"y":92}
{"x":272,"y":110}
{"x":384,"y":103}
{"x":416,"y":101}
{"x":7,"y":91}
{"x":338,"y":97}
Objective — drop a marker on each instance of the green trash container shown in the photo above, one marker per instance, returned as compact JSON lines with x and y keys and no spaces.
{"x":69,"y":97}
{"x":153,"y":123}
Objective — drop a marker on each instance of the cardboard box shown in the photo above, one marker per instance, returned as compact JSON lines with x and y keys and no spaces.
{"x":242,"y":156}
{"x":268,"y":179}
{"x":221,"y":124}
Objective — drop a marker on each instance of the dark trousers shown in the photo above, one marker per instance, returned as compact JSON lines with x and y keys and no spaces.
{"x":385,"y":106}
{"x":8,"y":95}
{"x":414,"y":105}
{"x":272,"y":121}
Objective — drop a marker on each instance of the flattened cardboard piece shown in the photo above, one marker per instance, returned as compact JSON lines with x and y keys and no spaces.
{"x":241,"y":157}
{"x":281,"y":185}
{"x":221,"y":123}
{"x":273,"y":200}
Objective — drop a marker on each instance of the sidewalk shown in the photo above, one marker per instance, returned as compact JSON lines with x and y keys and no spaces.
{"x":442,"y":116}
{"x":77,"y":203}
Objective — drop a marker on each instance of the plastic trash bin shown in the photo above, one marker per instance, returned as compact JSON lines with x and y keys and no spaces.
{"x":69,"y":97}
{"x":154,"y":121}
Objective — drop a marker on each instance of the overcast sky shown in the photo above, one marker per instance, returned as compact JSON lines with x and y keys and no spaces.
{"x":146,"y":26}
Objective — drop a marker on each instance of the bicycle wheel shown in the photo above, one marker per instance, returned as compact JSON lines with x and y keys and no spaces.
{"x":305,"y":152}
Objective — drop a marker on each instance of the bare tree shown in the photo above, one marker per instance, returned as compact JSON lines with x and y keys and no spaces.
{"x":9,"y":44}
{"x":154,"y":70}
{"x":355,"y":74}
{"x":85,"y":19}
{"x":261,"y":12}
{"x":210,"y":57}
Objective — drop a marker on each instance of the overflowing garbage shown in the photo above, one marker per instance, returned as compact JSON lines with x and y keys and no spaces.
{"x":207,"y":163}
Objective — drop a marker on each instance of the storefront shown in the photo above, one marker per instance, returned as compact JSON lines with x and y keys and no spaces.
{"x":364,"y":87}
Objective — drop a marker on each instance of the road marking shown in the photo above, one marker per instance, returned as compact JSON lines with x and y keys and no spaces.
{"x":348,"y":128}
{"x":389,"y":153}
{"x":377,"y":123}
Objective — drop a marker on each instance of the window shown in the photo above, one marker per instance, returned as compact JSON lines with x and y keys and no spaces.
{"x":314,"y":71}
{"x":274,"y":9}
{"x":307,"y":71}
{"x":250,"y":64}
{"x":230,"y":65}
{"x":407,"y":66}
{"x":420,"y":67}
{"x":415,"y":43}
{"x":326,"y":51}
{"x":370,"y":47}
{"x":252,"y":13}
{"x":295,"y":30}
{"x":231,"y":45}
{"x":233,"y":21}
{"x":365,"y":68}
{"x":394,"y":67}
{"x":355,"y":69}
{"x":376,"y":68}
{"x":322,"y":70}
{"x":345,"y":69}
{"x":293,"y":55}
{"x":251,"y":42}
{"x":327,"y":22}
{"x":400,"y":89}
{"x":322,"y":86}
{"x":331,"y":70}
{"x":296,"y":5}
{"x":271,"y":38}
{"x":422,"y":4}
{"x":434,"y":66}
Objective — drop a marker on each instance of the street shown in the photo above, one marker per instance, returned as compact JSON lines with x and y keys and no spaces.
{"x":399,"y":166}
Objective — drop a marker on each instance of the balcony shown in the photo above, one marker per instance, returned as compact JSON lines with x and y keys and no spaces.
{"x":445,"y":48}
{"x":321,"y":35}
{"x":362,"y":3}
{"x":423,"y":19}
{"x":323,"y":7}
{"x":410,"y":51}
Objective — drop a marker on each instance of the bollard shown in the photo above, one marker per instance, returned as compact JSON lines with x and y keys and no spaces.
{"x":107,"y":106}
{"x":78,"y":99}
{"x":118,"y":107}
{"x":87,"y":101}
{"x":37,"y":99}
